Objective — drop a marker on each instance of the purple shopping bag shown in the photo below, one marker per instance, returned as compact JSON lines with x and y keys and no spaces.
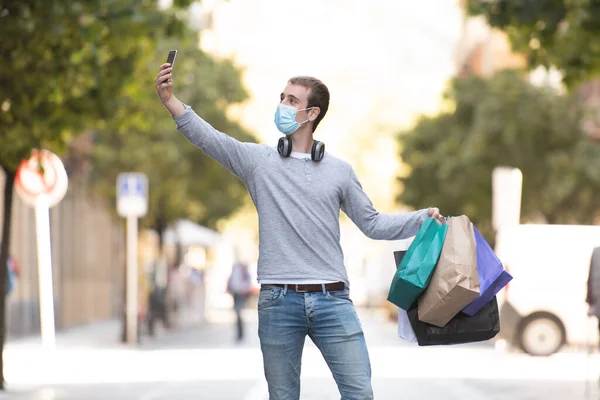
{"x":492,"y":276}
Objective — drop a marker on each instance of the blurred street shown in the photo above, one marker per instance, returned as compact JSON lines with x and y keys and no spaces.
{"x":132,"y":228}
{"x":206,"y":363}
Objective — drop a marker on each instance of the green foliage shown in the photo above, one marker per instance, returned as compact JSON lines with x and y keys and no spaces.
{"x":183,"y":181}
{"x":90,"y":65}
{"x":65,"y":63}
{"x":562,"y":33}
{"x":65,"y":66}
{"x":503,"y":121}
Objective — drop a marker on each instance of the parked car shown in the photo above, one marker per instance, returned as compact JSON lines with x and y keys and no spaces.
{"x":543,"y":307}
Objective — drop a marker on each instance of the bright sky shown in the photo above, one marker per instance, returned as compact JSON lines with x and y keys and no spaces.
{"x":381,"y":59}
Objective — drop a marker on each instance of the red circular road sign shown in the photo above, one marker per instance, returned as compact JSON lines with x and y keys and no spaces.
{"x":42,"y":174}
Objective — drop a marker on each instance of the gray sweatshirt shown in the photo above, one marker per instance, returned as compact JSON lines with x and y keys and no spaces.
{"x":298,"y":203}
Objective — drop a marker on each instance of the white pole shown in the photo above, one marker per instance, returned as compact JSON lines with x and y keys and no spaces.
{"x":507,"y":184}
{"x":44,"y":252}
{"x":132,"y":279}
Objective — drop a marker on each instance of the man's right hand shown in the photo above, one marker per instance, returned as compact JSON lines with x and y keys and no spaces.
{"x":164,"y":83}
{"x":164,"y":87}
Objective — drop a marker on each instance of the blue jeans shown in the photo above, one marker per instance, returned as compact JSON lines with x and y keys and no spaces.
{"x":285,"y":317}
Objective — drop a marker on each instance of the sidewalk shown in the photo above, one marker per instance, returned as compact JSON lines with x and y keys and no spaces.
{"x":85,"y":356}
{"x":105,"y":334}
{"x":215,"y":332}
{"x":218,"y":332}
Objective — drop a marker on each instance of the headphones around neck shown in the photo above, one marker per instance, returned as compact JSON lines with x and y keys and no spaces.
{"x":284,"y":147}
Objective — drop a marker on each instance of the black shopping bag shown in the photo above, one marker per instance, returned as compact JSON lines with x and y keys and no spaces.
{"x":484,"y":325}
{"x":398,"y":256}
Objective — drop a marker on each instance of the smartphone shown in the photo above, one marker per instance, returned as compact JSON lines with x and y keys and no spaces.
{"x":171,"y":58}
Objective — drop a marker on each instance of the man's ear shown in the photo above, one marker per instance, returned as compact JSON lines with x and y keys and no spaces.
{"x":314,"y":113}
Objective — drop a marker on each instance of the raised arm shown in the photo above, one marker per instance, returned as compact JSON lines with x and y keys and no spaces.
{"x":375,"y":225}
{"x":237,"y":157}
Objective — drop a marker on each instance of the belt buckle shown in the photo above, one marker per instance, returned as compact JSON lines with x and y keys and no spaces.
{"x":298,"y":289}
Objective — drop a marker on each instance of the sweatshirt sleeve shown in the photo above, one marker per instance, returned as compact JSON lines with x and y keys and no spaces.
{"x":237,"y":157}
{"x":358,"y":207}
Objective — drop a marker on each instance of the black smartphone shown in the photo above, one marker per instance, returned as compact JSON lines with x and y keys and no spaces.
{"x":171,"y":58}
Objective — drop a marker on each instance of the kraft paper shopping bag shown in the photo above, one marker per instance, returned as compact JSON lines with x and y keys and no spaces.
{"x":455,"y":282}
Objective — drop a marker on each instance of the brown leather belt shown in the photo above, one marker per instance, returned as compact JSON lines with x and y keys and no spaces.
{"x":313,"y":287}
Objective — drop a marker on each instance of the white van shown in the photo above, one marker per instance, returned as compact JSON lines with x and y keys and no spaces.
{"x":544,"y":306}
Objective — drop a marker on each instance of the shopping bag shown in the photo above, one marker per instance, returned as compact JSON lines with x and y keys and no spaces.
{"x":492,"y":276}
{"x":454,"y":283}
{"x":415,"y":270}
{"x":398,"y":256}
{"x":462,"y":328}
{"x":405,"y":330}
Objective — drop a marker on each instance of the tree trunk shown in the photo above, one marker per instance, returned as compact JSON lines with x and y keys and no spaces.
{"x":8,"y":196}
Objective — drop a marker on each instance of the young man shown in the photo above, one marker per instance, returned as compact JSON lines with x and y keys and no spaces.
{"x":298,"y":191}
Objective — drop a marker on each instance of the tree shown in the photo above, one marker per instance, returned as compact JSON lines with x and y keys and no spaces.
{"x":500,"y":121}
{"x":183,"y":182}
{"x":69,"y":62}
{"x":560,"y":33}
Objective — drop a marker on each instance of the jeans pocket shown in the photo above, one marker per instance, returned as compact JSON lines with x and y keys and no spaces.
{"x":269,"y":296}
{"x":343,"y":295}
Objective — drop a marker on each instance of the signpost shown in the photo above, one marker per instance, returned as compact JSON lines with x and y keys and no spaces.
{"x":132,"y":203}
{"x":42,"y":182}
{"x":507,"y":185}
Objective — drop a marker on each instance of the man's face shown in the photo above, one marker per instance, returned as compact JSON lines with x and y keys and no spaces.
{"x":296,"y":96}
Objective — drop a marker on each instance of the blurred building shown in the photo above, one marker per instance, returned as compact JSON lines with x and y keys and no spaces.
{"x":193,"y":282}
{"x":483,"y":50}
{"x":88,"y":256}
{"x":589,"y":93}
{"x":89,"y":264}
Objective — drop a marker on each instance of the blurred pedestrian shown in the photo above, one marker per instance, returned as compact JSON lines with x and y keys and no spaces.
{"x":12,"y":274}
{"x":298,"y":190}
{"x":157,"y":295}
{"x":593,"y":285}
{"x":593,"y":290}
{"x":175,"y":295}
{"x":239,"y":285}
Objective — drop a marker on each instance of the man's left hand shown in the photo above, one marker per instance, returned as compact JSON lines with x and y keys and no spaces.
{"x":434,"y":212}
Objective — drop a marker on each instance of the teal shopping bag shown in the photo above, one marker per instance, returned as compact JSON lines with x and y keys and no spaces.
{"x":417,"y":266}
